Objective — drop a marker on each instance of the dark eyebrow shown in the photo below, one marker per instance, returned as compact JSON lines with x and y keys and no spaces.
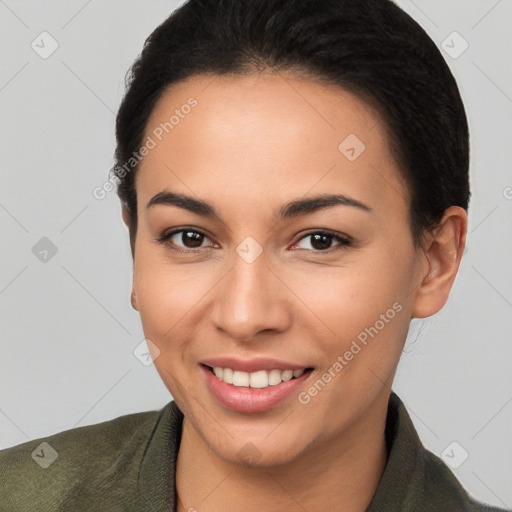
{"x":289,"y":210}
{"x":316,"y":203}
{"x":182,"y":201}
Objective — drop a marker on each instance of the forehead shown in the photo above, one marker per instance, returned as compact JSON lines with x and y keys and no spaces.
{"x":268,"y":135}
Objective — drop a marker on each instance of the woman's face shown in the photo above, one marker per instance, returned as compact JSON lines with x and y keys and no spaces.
{"x":251,"y":283}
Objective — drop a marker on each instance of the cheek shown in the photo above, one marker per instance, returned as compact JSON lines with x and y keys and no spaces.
{"x":366,"y":302}
{"x":168,"y":298}
{"x":348,"y":299}
{"x":366,"y":306}
{"x":167,"y":295}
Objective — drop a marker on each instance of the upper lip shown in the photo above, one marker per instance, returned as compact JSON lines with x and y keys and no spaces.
{"x":252,"y":365}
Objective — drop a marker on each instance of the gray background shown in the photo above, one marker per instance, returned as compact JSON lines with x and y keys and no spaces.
{"x":68,"y":331}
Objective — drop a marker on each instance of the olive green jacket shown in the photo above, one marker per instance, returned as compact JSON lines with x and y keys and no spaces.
{"x":129,"y":463}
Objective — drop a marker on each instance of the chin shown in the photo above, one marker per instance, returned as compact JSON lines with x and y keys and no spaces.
{"x":257,"y":454}
{"x":257,"y":448}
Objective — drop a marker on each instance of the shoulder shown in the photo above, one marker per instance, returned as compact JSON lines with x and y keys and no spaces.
{"x":441,"y":483}
{"x":46,"y":470}
{"x":111,"y":431}
{"x":415,"y":479}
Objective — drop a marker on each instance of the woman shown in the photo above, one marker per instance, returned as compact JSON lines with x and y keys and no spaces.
{"x":294,"y":177}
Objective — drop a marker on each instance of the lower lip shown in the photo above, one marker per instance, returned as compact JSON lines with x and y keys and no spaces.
{"x":252,"y":400}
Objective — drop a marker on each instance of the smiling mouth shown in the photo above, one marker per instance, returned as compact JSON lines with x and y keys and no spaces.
{"x":259,"y":379}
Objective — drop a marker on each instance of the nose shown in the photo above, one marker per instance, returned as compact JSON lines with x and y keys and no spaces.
{"x":251,"y":301}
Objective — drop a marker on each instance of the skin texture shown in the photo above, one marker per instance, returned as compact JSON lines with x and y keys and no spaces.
{"x":252,"y":144}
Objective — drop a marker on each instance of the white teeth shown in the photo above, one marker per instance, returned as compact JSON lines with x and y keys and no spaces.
{"x":287,"y":375}
{"x":260,"y":379}
{"x":227,"y":375}
{"x":274,"y":377}
{"x":240,"y":379}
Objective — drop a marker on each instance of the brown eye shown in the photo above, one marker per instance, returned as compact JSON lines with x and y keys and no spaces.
{"x":190,"y":239}
{"x":322,"y":242}
{"x":185,"y":239}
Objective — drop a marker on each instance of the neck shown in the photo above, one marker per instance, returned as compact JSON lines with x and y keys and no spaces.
{"x":342,"y":473}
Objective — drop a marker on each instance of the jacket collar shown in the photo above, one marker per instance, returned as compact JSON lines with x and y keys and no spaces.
{"x":405,"y":465}
{"x":402,"y":486}
{"x":157,"y":474}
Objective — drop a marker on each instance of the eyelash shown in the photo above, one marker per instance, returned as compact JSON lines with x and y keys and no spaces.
{"x":344,"y":242}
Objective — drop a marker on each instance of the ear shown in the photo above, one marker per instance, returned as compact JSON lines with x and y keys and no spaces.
{"x":126,"y":217}
{"x":126,"y":220}
{"x":133,"y":300}
{"x":443,"y":251}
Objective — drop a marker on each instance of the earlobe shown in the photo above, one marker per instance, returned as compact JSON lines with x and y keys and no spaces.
{"x":443,"y":255}
{"x":126,"y":217}
{"x":133,"y":299}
